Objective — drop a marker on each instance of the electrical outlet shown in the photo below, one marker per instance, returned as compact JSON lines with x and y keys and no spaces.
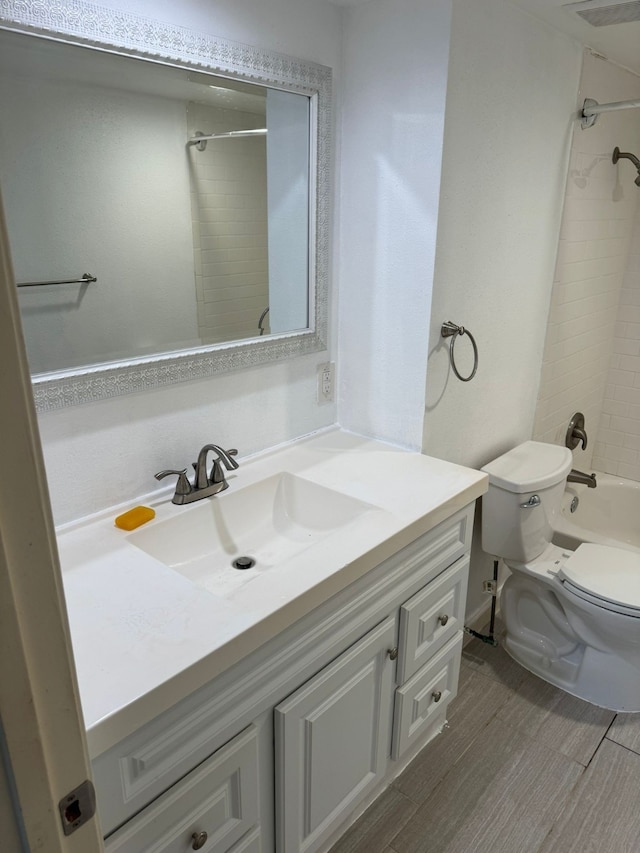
{"x":326,"y":376}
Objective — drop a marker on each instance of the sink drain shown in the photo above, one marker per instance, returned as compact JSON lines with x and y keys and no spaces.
{"x":243,"y":563}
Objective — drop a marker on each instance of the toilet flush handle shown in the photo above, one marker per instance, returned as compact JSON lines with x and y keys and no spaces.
{"x":534,"y":500}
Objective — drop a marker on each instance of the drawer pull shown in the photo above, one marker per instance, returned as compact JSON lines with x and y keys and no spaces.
{"x":393,"y":653}
{"x":443,"y":619}
{"x":199,"y":840}
{"x":436,"y":695}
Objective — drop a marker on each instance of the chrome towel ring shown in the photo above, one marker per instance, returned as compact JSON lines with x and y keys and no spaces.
{"x":450,"y":330}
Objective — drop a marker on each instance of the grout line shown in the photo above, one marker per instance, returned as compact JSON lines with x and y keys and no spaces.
{"x":602,"y":739}
{"x":355,"y":829}
{"x":617,"y":743}
{"x":411,"y":816}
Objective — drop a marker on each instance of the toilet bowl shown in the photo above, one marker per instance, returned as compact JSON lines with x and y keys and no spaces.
{"x":571,"y":617}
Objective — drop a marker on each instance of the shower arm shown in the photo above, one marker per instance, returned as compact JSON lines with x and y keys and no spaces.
{"x":619,"y":155}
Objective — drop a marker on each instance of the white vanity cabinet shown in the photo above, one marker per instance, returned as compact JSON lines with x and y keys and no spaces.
{"x":335,"y":734}
{"x":333,"y":708}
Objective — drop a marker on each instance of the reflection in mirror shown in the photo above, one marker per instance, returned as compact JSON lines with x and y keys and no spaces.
{"x":192,"y":243}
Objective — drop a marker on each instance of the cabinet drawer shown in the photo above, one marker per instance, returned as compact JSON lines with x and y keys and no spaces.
{"x":431,"y":618}
{"x":220,"y":798}
{"x":424,"y":695}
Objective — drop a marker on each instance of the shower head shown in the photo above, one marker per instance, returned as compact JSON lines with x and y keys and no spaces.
{"x":619,"y":155}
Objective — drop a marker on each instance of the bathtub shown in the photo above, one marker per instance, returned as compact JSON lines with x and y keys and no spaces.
{"x":608,"y":514}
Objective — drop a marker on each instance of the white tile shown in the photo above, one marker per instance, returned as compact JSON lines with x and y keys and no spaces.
{"x":631,"y":472}
{"x":612,"y":437}
{"x":629,"y":395}
{"x":616,"y":407}
{"x":623,"y":378}
{"x":625,"y":425}
{"x":632,"y":442}
{"x":601,"y":464}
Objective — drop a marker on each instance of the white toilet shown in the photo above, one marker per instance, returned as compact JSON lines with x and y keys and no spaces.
{"x":572,"y":617}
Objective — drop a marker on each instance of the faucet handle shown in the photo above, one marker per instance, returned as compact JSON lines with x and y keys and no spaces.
{"x":576,"y":433}
{"x":217,"y":474}
{"x":224,"y":456}
{"x":183,"y":486}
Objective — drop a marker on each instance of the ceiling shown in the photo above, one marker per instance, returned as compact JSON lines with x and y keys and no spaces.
{"x":618,"y":42}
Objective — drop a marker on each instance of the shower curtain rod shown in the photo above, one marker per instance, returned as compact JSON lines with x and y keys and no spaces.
{"x":591,"y":109}
{"x":201,"y":138}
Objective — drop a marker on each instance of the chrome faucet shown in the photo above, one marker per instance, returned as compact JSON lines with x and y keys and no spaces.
{"x":588,"y":480}
{"x":205,"y":484}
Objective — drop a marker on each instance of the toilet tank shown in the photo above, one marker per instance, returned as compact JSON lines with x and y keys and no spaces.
{"x":529,"y":471}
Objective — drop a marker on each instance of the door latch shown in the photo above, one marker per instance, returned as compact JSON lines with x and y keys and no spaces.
{"x":77,"y":807}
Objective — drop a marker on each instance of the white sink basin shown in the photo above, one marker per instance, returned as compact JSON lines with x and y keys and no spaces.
{"x":269,"y":521}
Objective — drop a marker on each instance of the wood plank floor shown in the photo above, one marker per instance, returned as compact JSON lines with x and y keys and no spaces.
{"x":521,"y":768}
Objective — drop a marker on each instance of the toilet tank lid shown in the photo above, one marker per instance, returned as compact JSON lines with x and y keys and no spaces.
{"x":530,"y":466}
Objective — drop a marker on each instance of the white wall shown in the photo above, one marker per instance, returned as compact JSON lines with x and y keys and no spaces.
{"x":99,"y":454}
{"x":510,"y":105}
{"x":512,"y":97}
{"x":396,"y":54}
{"x":601,"y":200}
{"x":308,"y":29}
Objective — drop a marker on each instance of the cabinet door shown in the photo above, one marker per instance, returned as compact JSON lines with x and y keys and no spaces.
{"x":217,"y":803}
{"x":333,"y":741}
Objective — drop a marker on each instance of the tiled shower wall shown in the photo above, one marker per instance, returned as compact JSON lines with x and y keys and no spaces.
{"x":229,"y":210}
{"x":617,"y":450}
{"x":595,"y":240}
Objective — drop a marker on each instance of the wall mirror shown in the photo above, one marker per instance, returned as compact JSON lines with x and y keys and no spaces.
{"x":167,"y":213}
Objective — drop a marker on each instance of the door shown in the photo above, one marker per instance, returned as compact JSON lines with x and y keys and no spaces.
{"x":333,"y":739}
{"x":39,"y":705}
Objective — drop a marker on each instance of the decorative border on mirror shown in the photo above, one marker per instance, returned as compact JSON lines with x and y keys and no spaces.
{"x":90,"y":25}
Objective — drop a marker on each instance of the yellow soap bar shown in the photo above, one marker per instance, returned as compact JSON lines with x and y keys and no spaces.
{"x":133,"y":518}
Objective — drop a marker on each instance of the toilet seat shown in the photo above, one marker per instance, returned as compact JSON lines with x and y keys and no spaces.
{"x":605,"y":576}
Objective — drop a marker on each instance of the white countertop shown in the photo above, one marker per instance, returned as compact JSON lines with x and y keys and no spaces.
{"x":144,"y":636}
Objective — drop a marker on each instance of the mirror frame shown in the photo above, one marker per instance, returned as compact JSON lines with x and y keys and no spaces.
{"x":95,"y":27}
